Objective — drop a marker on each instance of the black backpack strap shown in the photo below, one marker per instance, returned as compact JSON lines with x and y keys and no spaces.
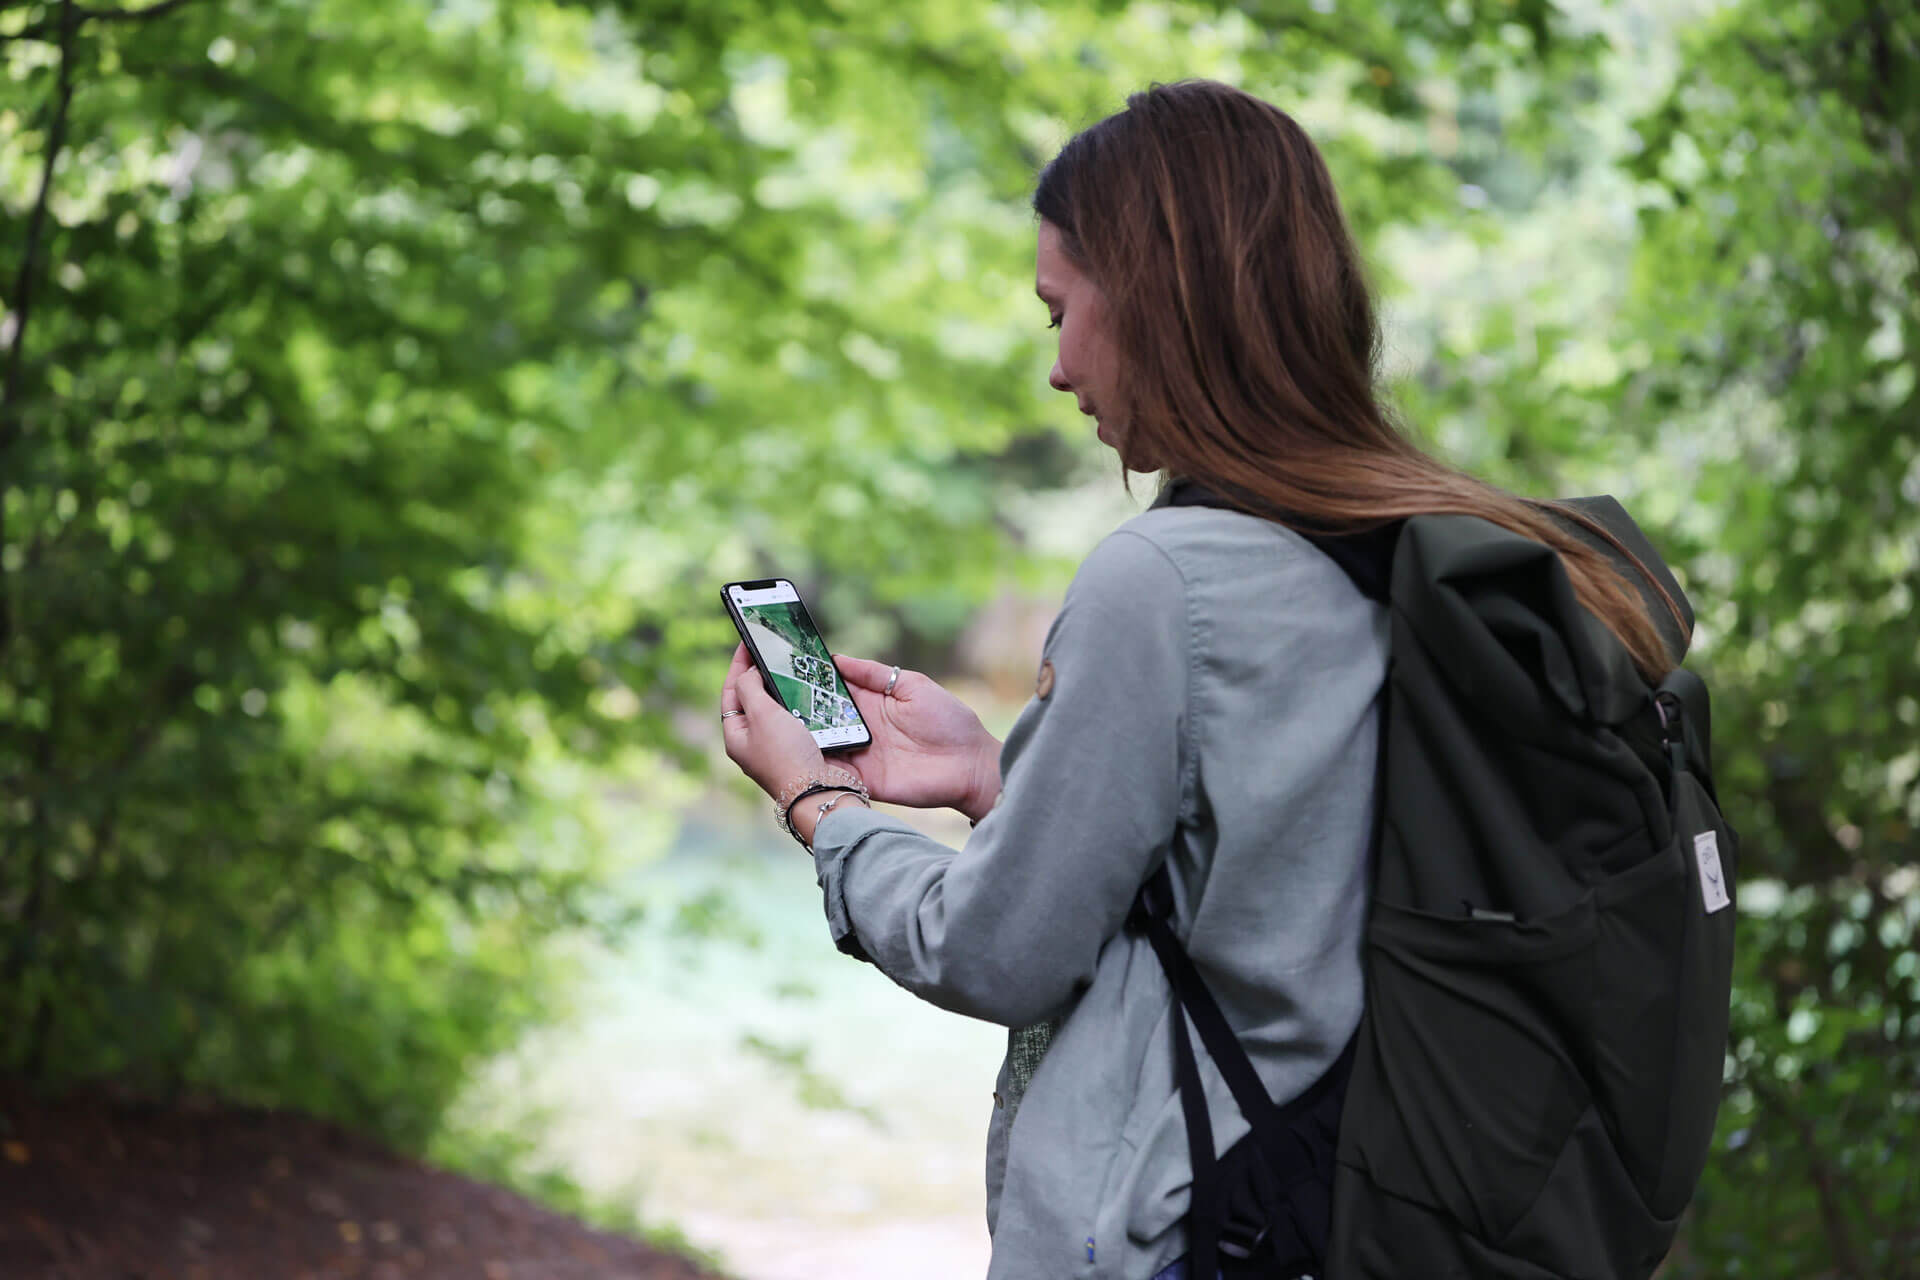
{"x":1296,"y":1142}
{"x":1153,"y":909}
{"x":1279,"y":1133}
{"x":1207,"y":1209}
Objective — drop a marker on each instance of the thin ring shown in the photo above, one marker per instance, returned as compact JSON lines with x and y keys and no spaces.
{"x":888,"y":691}
{"x":725,"y":714}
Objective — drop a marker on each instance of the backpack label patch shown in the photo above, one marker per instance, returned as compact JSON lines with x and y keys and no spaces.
{"x":1713,"y":883}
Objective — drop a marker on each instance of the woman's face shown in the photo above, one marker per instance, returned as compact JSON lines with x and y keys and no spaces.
{"x":1086,"y":363}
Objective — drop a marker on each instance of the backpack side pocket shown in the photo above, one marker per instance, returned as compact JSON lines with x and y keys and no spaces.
{"x":1477,"y":1094}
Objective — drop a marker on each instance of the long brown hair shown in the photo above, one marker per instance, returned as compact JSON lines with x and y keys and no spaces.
{"x":1248,"y":344}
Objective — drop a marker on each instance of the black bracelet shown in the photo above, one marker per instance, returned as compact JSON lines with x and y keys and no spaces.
{"x":812,"y":789}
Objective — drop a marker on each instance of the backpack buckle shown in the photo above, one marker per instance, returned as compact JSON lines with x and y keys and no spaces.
{"x":1673,"y":730}
{"x":1238,"y":1245}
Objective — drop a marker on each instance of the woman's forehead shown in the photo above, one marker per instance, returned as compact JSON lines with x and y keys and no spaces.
{"x":1053,"y":271}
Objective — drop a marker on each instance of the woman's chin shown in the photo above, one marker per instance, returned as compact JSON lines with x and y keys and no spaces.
{"x":1109,"y":437}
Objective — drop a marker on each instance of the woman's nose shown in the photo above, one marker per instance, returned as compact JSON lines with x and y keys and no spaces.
{"x":1057,"y":379}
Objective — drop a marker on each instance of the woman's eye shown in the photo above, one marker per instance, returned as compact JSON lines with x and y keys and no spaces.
{"x":1053,"y":322}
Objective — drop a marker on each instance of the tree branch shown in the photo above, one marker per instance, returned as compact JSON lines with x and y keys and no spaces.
{"x":1826,"y":1181}
{"x":39,"y":854}
{"x":21,"y":297}
{"x":20,"y":300}
{"x":1879,"y":71}
{"x":81,"y":13}
{"x":159,"y":10}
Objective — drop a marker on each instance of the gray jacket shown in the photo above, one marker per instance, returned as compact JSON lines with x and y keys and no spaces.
{"x":1209,"y":671}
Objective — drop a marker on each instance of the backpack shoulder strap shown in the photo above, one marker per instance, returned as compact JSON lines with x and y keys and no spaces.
{"x":1297,"y":1152}
{"x":1366,"y":558}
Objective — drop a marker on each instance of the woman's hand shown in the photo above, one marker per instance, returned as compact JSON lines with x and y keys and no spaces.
{"x":929,"y":749}
{"x":769,"y":743}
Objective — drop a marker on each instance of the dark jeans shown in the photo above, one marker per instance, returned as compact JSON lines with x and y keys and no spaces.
{"x":1177,"y":1270}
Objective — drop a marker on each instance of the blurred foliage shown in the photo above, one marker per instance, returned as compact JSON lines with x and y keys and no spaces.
{"x":385,"y":388}
{"x":1813,"y":1169}
{"x":1700,"y":294}
{"x":816,"y":1090}
{"x":1773,"y":339}
{"x":388,"y":385}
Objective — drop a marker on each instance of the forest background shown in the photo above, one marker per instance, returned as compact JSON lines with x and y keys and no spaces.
{"x":386,"y":387}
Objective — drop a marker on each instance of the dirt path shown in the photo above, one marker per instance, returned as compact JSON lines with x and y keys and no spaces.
{"x":92,"y":1188}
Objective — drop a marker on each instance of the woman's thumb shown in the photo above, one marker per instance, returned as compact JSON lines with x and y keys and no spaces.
{"x":754,"y":698}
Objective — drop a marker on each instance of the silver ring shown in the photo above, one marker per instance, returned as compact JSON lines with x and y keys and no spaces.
{"x":888,"y":691}
{"x":725,"y":714}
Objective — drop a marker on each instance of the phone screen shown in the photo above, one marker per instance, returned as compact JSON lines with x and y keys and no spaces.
{"x":781,"y":636}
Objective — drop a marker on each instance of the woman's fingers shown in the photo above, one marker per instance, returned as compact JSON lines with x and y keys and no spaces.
{"x":741,"y":662}
{"x":743,"y":692}
{"x":768,"y":742}
{"x":865,"y":680}
{"x":871,"y":705}
{"x":733,"y":727}
{"x":754,"y":698}
{"x":862,"y":674}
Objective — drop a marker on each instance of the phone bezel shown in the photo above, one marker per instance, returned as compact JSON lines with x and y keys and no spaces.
{"x":740,"y":625}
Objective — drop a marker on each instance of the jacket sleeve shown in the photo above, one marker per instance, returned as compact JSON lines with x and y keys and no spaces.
{"x":1009,"y":928}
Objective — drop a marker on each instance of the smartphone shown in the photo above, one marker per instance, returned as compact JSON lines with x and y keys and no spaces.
{"x":794,"y":662}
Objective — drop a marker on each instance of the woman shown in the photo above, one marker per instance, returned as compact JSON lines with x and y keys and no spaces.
{"x":1210,"y":674}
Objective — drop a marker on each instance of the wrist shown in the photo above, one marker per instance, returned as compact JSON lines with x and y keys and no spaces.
{"x":807,"y":813}
{"x":798,"y":796}
{"x":983,"y":788}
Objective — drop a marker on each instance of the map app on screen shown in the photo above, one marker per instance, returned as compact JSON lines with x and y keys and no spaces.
{"x":797,"y":659}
